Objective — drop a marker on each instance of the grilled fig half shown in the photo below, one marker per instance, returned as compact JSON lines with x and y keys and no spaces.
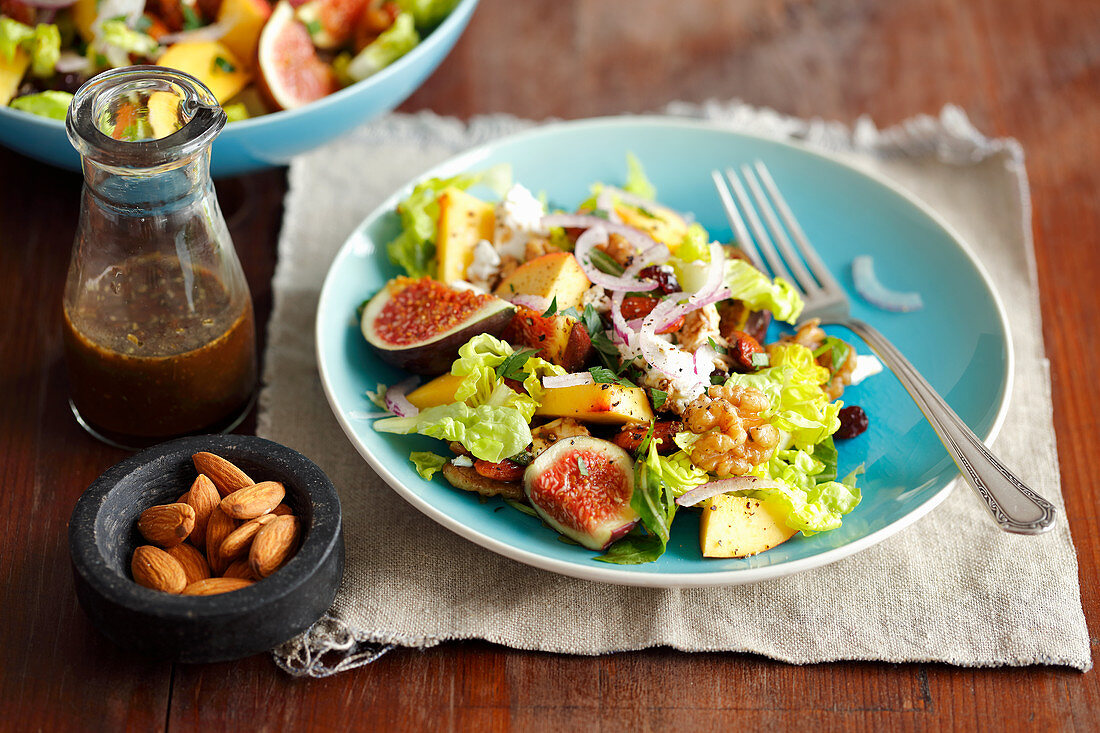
{"x":418,"y":325}
{"x":582,"y":488}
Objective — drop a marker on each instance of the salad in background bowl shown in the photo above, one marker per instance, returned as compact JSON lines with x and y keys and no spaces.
{"x":607,"y":369}
{"x":290,"y":75}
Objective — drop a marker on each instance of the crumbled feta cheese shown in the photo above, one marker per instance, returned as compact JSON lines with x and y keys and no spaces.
{"x":485,"y":265}
{"x":519,"y":216}
{"x":867,"y":365}
{"x":463,"y":461}
{"x":596,"y":297}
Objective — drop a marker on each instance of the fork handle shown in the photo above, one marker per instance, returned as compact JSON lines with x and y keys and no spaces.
{"x":1014,"y":506}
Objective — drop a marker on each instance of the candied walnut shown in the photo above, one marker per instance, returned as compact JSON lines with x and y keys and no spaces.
{"x":508,"y":265}
{"x":809,"y":334}
{"x":842,"y":377}
{"x":537,"y":247}
{"x":546,"y":435}
{"x":618,"y":249}
{"x":734,"y":434}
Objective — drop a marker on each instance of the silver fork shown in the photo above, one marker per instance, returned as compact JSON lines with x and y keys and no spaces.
{"x":1013,"y":506}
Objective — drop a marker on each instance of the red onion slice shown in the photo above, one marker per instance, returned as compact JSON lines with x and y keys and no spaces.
{"x":724,"y":486}
{"x":636,"y":237}
{"x":606,"y":202}
{"x":583,"y":252}
{"x":71,"y":62}
{"x":623,"y":331}
{"x":633,"y":199}
{"x":875,"y":293}
{"x":534,"y":302}
{"x":397,"y":402}
{"x":212,"y":32}
{"x":567,"y":380}
{"x":49,"y":4}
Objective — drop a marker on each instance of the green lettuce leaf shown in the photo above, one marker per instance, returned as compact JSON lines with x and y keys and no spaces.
{"x":54,"y":105}
{"x":490,"y":432}
{"x":696,"y":245}
{"x":636,"y":181}
{"x":753,"y":287}
{"x":116,"y":34}
{"x":43,"y":43}
{"x":477,"y":363}
{"x":676,"y":471}
{"x":427,"y":13}
{"x":391,"y":44}
{"x":657,"y":483}
{"x":799,"y":407}
{"x":414,"y":248}
{"x":812,"y":500}
{"x":427,"y":463}
{"x":13,"y":34}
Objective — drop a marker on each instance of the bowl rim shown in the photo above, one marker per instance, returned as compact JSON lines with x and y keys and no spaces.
{"x":465,"y":160}
{"x":458,"y":16}
{"x":94,"y":569}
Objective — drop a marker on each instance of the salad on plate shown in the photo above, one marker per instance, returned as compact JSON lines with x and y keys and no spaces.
{"x":256,"y":56}
{"x":608,"y":370}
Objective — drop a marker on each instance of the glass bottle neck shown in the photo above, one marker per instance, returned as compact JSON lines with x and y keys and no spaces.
{"x":149,"y":191}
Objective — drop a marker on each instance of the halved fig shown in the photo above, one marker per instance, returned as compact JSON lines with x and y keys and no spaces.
{"x":291,"y":74}
{"x":418,"y":325}
{"x":582,"y":487}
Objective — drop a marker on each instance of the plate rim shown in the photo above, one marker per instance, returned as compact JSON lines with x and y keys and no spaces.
{"x":611,"y":574}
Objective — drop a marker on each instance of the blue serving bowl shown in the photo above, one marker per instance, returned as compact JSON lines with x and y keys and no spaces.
{"x":273,"y":139}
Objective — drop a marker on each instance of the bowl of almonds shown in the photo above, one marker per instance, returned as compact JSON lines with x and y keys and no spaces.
{"x":207,"y":548}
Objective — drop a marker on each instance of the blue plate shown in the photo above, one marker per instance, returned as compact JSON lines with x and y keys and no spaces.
{"x":959,"y":340}
{"x":271,"y":140}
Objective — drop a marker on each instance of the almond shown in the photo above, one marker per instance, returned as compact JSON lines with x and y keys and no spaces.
{"x":237,"y":543}
{"x":167,"y":525}
{"x":214,"y":586}
{"x":154,"y":568}
{"x":273,"y":545}
{"x":191,"y":560}
{"x":253,"y":501}
{"x":203,"y":498}
{"x":227,"y":477}
{"x":220,"y":526}
{"x":283,"y":510}
{"x":239,"y":569}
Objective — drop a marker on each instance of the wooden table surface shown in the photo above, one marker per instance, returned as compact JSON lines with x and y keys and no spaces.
{"x":1025,"y":68}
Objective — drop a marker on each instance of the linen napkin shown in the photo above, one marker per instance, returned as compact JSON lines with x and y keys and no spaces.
{"x":952,"y":588}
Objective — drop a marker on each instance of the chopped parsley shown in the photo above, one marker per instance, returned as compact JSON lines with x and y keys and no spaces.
{"x":601,"y":375}
{"x":552,"y":308}
{"x":605,"y":262}
{"x":512,"y":366}
{"x":582,"y":466}
{"x":760,"y":360}
{"x":224,"y":64}
{"x":191,"y":19}
{"x":314,"y":27}
{"x":657,"y":397}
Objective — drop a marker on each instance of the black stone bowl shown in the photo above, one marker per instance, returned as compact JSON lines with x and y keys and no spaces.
{"x":103,"y":534}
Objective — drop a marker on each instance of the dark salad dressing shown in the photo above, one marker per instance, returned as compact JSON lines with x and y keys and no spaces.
{"x":164,"y":351}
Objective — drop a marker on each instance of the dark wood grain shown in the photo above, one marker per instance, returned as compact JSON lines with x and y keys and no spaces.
{"x":1019,"y":67}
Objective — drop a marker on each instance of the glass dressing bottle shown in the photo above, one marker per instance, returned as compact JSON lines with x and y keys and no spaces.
{"x":158,"y":325}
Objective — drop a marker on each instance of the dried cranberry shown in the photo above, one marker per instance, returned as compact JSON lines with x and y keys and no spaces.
{"x":853,"y":421}
{"x":664,"y":277}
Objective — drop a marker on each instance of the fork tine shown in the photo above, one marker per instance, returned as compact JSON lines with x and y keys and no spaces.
{"x":817,"y":267}
{"x":779,"y":236}
{"x":763,"y":241}
{"x":738,"y":224}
